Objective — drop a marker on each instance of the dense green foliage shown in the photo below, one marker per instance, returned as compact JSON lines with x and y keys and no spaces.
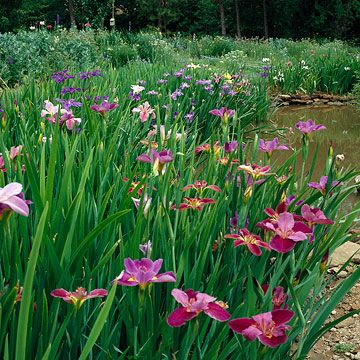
{"x":284,"y":18}
{"x":286,"y":66}
{"x":83,"y":223}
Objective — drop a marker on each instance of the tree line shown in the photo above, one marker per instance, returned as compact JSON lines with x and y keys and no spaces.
{"x":240,"y":18}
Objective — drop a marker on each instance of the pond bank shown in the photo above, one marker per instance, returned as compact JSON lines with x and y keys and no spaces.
{"x":314,"y":99}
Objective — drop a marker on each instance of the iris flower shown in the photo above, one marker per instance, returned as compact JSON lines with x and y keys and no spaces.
{"x":78,"y":297}
{"x":11,"y":197}
{"x":192,"y":304}
{"x":143,"y":272}
{"x":268,"y":327}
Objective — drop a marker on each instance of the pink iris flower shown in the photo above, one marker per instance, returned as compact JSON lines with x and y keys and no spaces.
{"x":278,"y":296}
{"x":321,"y":185}
{"x":68,"y":118}
{"x":194,"y":203}
{"x":270,"y":146}
{"x":314,"y":216}
{"x":273,"y":215}
{"x":104,"y":108}
{"x":208,"y":148}
{"x":287,"y":232}
{"x":158,"y":159}
{"x":145,"y":111}
{"x":143,"y":272}
{"x":251,"y":241}
{"x":307,"y":127}
{"x":78,"y":297}
{"x":50,"y":112}
{"x":11,"y":197}
{"x":200,"y":185}
{"x":269,"y":327}
{"x":192,"y":304}
{"x":223,"y":113}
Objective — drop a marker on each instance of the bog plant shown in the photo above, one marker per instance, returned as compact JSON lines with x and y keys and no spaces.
{"x":154,"y":195}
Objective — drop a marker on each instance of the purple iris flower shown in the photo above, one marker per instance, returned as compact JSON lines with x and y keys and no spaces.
{"x":89,"y":74}
{"x":177,"y":93}
{"x":162,"y":81}
{"x":230,"y":146}
{"x":307,"y":127}
{"x":189,"y":117}
{"x":61,"y":76}
{"x":271,"y":145}
{"x":69,"y":103}
{"x":70,"y":90}
{"x":143,"y":272}
{"x":321,"y":185}
{"x":134,"y":96}
{"x":223,"y":113}
{"x":158,"y":159}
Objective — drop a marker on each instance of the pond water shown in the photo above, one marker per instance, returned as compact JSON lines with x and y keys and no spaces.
{"x":342,"y":131}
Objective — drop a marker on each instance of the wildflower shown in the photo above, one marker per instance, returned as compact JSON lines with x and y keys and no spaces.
{"x":252,"y":242}
{"x":177,"y":93}
{"x":255,"y":170}
{"x":152,"y":92}
{"x":145,"y":111}
{"x":194,"y":203}
{"x":87,"y":25}
{"x":208,"y":148}
{"x":230,"y":146}
{"x":70,"y":90}
{"x":89,"y":74}
{"x":268,"y":327}
{"x":146,"y":248}
{"x":189,"y":117}
{"x":11,"y":197}
{"x":158,"y":159}
{"x":270,"y":146}
{"x":61,"y":76}
{"x":287,"y":232}
{"x":224,"y":114}
{"x":78,"y":297}
{"x":50,"y":112}
{"x":321,"y":185}
{"x":143,"y":272}
{"x":137,"y":89}
{"x":278,"y":296}
{"x":314,"y":216}
{"x":234,"y":221}
{"x":200,"y":185}
{"x":307,"y":127}
{"x":68,"y":118}
{"x":192,"y":304}
{"x":146,"y":204}
{"x":69,"y":103}
{"x":104,"y":108}
{"x":162,"y":81}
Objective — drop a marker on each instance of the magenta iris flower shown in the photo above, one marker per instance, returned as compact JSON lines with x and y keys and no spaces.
{"x":104,"y":108}
{"x":158,"y":159}
{"x":321,"y":185}
{"x":307,"y":127}
{"x":223,"y":112}
{"x":271,"y":145}
{"x":278,"y":296}
{"x":78,"y":297}
{"x":251,"y":241}
{"x":287,"y":232}
{"x":194,"y":203}
{"x":143,"y":272}
{"x":11,"y":197}
{"x":269,"y":327}
{"x":192,"y":304}
{"x":200,"y":185}
{"x":314,"y":216}
{"x":231,"y":146}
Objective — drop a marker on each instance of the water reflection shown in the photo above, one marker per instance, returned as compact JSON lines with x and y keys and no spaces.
{"x":342,"y":131}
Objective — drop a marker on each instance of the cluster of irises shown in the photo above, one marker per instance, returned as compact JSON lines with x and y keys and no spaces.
{"x":286,"y":229}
